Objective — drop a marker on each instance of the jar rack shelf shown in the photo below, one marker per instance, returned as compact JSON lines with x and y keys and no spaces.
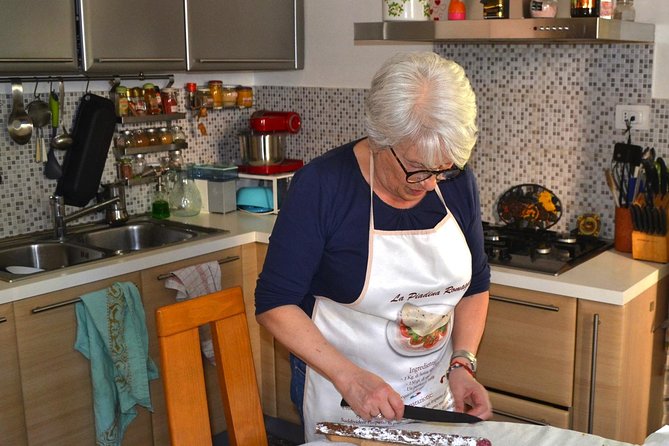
{"x":128,"y":151}
{"x":150,"y":118}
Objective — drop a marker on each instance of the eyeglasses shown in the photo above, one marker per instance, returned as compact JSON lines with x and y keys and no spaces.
{"x":421,"y":175}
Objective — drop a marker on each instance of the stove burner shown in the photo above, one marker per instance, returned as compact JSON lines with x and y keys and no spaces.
{"x":543,"y":251}
{"x":543,"y":248}
{"x":566,"y":238}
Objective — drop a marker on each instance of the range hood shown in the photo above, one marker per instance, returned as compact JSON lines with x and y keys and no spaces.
{"x":518,"y":30}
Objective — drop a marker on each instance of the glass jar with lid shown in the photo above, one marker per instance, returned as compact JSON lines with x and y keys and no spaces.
{"x":152,"y":99}
{"x":543,"y":8}
{"x":216,"y":90}
{"x":203,"y":98}
{"x":139,"y":138}
{"x":153,"y":137}
{"x":176,"y":161}
{"x":137,"y":103}
{"x":168,"y":97}
{"x":138,"y":164}
{"x":229,"y":96}
{"x":121,"y":101}
{"x":584,"y":8}
{"x":244,"y":97}
{"x":624,"y":10}
{"x":178,"y":136}
{"x":165,"y":136}
{"x":124,"y":140}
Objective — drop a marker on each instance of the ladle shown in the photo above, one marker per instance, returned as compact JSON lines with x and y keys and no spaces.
{"x":63,"y":140}
{"x":19,"y":124}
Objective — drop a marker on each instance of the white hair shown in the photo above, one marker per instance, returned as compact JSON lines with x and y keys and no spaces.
{"x":421,"y":99}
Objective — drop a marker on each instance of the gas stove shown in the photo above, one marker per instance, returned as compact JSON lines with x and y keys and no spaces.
{"x":542,"y":251}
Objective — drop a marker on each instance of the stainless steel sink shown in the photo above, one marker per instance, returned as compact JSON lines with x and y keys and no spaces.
{"x":135,"y":236}
{"x":29,"y":258}
{"x":35,"y":254}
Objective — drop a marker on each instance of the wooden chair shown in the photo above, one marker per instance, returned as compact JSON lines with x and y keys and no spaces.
{"x":183,"y":376}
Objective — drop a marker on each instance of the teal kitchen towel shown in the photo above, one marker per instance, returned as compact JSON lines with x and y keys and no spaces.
{"x":112,"y":335}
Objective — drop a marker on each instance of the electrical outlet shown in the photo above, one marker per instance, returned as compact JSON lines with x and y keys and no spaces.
{"x":639,"y":116}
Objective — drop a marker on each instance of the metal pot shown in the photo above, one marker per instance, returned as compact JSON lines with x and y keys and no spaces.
{"x":262,"y":149}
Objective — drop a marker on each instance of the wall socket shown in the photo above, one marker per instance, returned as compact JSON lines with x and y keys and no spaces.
{"x":640,"y":113}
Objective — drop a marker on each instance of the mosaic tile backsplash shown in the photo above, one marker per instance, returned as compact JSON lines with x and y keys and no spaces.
{"x":546,"y":116}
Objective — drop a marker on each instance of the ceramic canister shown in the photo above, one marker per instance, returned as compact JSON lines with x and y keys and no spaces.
{"x":395,"y":10}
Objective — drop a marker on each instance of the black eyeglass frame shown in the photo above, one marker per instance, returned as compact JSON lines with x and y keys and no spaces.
{"x":441,"y":175}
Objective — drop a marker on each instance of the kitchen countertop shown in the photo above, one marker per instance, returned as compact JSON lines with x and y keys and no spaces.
{"x":611,"y":277}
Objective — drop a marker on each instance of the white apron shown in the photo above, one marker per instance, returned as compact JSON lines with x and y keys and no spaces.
{"x":400,"y":326}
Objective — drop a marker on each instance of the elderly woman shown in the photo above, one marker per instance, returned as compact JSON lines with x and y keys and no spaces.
{"x":375,"y":275}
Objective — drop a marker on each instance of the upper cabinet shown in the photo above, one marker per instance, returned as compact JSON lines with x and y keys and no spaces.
{"x":132,"y":36}
{"x":225,"y":35}
{"x":38,"y":36}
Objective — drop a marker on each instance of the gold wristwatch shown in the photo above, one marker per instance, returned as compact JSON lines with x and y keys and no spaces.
{"x":469,"y":356}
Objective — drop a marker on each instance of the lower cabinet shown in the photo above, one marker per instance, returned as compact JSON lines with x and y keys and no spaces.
{"x":55,"y":378}
{"x":575,"y":363}
{"x":12,"y":421}
{"x":156,"y":295}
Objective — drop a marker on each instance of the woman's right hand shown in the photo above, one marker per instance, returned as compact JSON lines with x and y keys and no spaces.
{"x":369,"y":395}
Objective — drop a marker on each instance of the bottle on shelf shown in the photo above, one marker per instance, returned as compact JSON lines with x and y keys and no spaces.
{"x":624,"y":10}
{"x":457,"y":10}
{"x":585,"y":8}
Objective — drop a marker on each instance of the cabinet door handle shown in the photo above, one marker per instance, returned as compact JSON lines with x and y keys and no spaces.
{"x":3,"y":319}
{"x":138,"y":59}
{"x":36,"y":60}
{"x":525,"y":303}
{"x":246,"y":60}
{"x":593,"y":371}
{"x":220,"y":262}
{"x":520,"y":417}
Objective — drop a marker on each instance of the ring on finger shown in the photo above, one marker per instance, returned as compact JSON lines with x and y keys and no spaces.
{"x":379,"y":415}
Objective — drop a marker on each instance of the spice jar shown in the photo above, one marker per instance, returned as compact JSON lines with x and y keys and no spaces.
{"x":216,"y":90}
{"x":153,"y":137}
{"x":165,"y":136}
{"x":229,"y":96}
{"x":177,"y":134}
{"x":125,"y":168}
{"x":624,"y":10}
{"x":152,"y":98}
{"x":137,"y":103}
{"x":244,"y":97}
{"x":124,"y":140}
{"x":121,"y":101}
{"x":168,"y":97}
{"x":203,"y":98}
{"x":139,"y":138}
{"x":584,"y":8}
{"x":543,"y":8}
{"x":191,"y":89}
{"x":138,"y":164}
{"x":175,"y":159}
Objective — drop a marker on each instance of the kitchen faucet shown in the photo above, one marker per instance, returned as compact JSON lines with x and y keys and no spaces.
{"x":115,"y":205}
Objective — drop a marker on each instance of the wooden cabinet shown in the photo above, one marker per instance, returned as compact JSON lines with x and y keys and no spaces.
{"x":156,"y":295}
{"x":256,"y":35}
{"x":55,"y":378}
{"x":12,"y":421}
{"x":132,"y":36}
{"x":574,"y":363}
{"x":622,"y":395}
{"x":39,"y":36}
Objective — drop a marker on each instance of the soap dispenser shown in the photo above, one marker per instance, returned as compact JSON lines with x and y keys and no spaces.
{"x":160,"y":207}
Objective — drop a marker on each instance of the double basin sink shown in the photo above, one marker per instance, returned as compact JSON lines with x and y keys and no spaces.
{"x":31,"y":255}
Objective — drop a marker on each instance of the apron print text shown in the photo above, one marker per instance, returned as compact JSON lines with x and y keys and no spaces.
{"x":417,"y":296}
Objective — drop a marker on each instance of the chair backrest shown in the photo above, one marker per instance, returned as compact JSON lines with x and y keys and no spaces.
{"x":183,"y":376}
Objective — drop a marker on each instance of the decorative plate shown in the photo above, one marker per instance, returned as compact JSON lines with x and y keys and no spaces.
{"x":529,"y":206}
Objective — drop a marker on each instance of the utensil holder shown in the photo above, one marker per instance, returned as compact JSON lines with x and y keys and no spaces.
{"x":623,"y":230}
{"x":654,"y":248}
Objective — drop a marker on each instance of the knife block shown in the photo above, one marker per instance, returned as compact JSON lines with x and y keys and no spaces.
{"x":654,"y":248}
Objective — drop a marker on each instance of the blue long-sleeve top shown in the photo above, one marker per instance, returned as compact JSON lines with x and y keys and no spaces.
{"x":319,"y":244}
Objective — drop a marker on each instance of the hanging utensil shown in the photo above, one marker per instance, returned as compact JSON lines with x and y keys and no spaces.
{"x":19,"y":124}
{"x":40,"y":113}
{"x":61,"y":141}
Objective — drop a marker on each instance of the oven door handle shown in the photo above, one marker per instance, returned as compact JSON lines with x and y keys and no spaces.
{"x":525,"y":303}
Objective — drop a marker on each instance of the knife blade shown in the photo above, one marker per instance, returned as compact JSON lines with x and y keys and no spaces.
{"x":428,"y":414}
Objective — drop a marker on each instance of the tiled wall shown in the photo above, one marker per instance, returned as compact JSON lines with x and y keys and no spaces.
{"x":546,"y":116}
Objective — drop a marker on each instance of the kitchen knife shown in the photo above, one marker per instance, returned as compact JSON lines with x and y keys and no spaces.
{"x":428,"y":414}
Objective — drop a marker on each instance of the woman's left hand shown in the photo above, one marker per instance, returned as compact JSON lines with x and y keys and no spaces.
{"x":467,"y":392}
